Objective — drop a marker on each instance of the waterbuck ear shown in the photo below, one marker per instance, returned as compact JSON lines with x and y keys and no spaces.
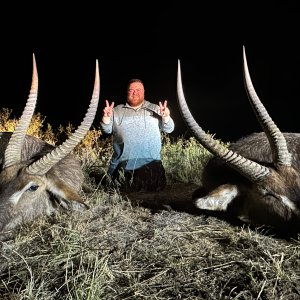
{"x":219,"y":198}
{"x":63,"y":196}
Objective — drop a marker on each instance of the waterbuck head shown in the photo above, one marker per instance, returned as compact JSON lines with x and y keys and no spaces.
{"x":37,"y":178}
{"x":257,"y":178}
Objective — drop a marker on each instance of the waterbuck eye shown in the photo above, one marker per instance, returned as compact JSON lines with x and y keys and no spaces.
{"x":33,"y":188}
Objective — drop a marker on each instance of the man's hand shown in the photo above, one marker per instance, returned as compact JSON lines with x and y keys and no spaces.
{"x":107,"y":112}
{"x":164,"y":111}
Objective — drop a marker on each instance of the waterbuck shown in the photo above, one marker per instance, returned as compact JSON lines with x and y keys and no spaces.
{"x":257,"y":178}
{"x":37,"y":178}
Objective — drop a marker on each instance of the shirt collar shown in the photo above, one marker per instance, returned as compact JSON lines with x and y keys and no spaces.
{"x":145,"y":103}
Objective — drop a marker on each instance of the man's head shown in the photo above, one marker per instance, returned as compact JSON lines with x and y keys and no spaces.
{"x":135,"y":92}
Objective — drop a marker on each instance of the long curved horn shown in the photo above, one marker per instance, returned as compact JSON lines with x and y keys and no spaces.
{"x":246,"y":167}
{"x":280,"y":153}
{"x":13,"y":150}
{"x":45,"y":163}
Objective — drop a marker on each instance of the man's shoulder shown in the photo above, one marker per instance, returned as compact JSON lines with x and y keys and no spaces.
{"x":119,"y":107}
{"x":152,"y":106}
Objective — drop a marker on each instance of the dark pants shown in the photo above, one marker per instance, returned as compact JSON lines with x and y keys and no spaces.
{"x":149,"y":178}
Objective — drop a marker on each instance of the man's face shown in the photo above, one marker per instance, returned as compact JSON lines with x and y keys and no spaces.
{"x":135,"y":94}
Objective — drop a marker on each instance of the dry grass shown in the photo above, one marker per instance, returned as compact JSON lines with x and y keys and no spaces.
{"x":117,"y":251}
{"x":121,"y":250}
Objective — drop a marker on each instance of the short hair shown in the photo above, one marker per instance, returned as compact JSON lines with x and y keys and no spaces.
{"x":134,"y":80}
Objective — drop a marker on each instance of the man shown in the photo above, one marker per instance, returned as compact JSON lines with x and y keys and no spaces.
{"x":136,"y":126}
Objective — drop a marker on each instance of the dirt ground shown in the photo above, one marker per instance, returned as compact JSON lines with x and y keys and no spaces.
{"x":177,"y":196}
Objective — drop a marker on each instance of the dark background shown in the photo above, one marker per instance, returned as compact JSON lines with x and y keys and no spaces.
{"x":145,"y":40}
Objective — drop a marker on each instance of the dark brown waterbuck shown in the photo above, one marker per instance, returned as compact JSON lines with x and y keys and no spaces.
{"x":37,"y":178}
{"x":257,"y":178}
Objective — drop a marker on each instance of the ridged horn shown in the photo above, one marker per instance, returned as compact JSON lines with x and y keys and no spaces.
{"x":13,"y":150}
{"x":246,"y":167}
{"x":45,"y":163}
{"x":280,"y":153}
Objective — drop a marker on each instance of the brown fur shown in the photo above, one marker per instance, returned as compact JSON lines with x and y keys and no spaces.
{"x":59,"y":187}
{"x":260,"y":202}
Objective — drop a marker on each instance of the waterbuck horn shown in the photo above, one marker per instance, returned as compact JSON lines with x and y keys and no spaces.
{"x":13,"y":151}
{"x":281,"y":155}
{"x":45,"y":163}
{"x":248,"y":168}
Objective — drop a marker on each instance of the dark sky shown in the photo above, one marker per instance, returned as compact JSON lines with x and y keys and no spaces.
{"x":141,"y":40}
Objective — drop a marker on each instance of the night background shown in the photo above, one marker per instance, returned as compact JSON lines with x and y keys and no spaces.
{"x":141,"y":40}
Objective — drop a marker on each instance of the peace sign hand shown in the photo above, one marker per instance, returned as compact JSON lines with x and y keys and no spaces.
{"x":164,"y":111}
{"x":107,"y":112}
{"x":108,"y":109}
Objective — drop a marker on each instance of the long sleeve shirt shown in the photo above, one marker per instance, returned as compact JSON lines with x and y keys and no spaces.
{"x":136,"y":135}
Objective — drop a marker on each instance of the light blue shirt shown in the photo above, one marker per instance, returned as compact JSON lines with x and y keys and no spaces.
{"x":136,"y":135}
